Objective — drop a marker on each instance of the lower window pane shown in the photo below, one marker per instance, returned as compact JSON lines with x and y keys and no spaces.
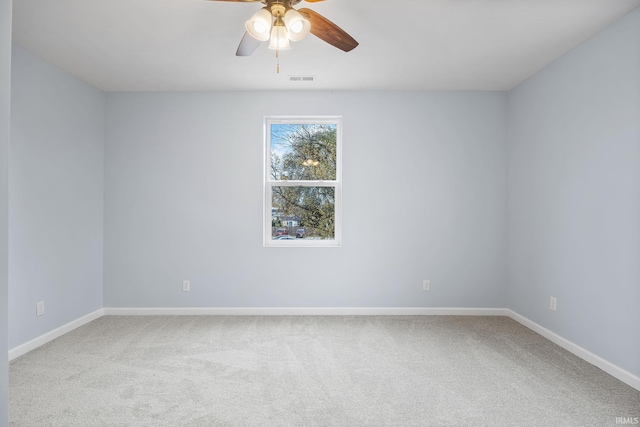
{"x":303,"y":213}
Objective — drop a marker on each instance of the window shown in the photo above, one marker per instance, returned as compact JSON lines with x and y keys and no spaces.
{"x":302,"y":181}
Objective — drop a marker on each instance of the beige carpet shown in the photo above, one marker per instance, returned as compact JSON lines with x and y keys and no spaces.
{"x":311,"y":371}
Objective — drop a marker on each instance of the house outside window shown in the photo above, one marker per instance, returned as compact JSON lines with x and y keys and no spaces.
{"x":302,"y":181}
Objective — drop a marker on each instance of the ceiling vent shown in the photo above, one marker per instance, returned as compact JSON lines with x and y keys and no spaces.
{"x":302,"y":78}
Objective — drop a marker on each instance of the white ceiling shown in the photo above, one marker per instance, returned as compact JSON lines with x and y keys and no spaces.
{"x":185,"y":45}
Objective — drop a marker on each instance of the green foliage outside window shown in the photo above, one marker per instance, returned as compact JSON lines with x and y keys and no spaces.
{"x":305,"y":152}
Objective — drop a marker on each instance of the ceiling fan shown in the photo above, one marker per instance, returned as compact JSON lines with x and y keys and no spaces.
{"x":280,"y":23}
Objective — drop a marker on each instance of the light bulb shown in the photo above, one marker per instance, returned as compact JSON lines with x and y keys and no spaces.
{"x":296,"y":27}
{"x":259,"y":25}
{"x":279,"y":36}
{"x":296,"y":24}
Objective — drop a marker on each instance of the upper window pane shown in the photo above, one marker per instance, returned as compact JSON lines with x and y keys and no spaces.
{"x":303,"y":152}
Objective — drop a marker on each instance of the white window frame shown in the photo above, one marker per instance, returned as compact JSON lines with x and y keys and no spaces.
{"x":269,"y":183}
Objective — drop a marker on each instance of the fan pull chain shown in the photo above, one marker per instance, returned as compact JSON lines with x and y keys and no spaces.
{"x":277,"y":62}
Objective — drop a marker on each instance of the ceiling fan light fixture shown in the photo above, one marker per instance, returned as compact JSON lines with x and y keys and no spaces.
{"x":259,"y":26}
{"x":297,"y":26}
{"x":279,"y":36}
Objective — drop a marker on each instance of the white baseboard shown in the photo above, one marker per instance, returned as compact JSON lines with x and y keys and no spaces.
{"x":611,"y":369}
{"x":304,"y":311}
{"x":52,"y":335}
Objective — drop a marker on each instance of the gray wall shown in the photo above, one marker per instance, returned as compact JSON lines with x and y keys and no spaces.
{"x":424,"y":197}
{"x":56,"y":197}
{"x":5,"y":89}
{"x":574,"y":195}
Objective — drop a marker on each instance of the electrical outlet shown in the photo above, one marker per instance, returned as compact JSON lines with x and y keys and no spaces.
{"x":40,"y":308}
{"x":553,"y":303}
{"x":186,"y":286}
{"x":426,"y":285}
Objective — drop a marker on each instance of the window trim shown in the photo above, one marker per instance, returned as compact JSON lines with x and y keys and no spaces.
{"x":269,"y":183}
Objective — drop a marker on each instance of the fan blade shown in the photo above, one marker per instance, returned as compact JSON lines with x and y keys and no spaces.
{"x":326,"y":30}
{"x":313,"y":1}
{"x":247,"y":45}
{"x":240,"y":1}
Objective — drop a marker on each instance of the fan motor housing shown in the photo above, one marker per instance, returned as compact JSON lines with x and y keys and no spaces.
{"x":286,"y":3}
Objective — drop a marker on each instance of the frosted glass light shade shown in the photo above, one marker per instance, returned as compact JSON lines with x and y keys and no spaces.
{"x":259,"y":26}
{"x":279,"y":37}
{"x":297,"y":26}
